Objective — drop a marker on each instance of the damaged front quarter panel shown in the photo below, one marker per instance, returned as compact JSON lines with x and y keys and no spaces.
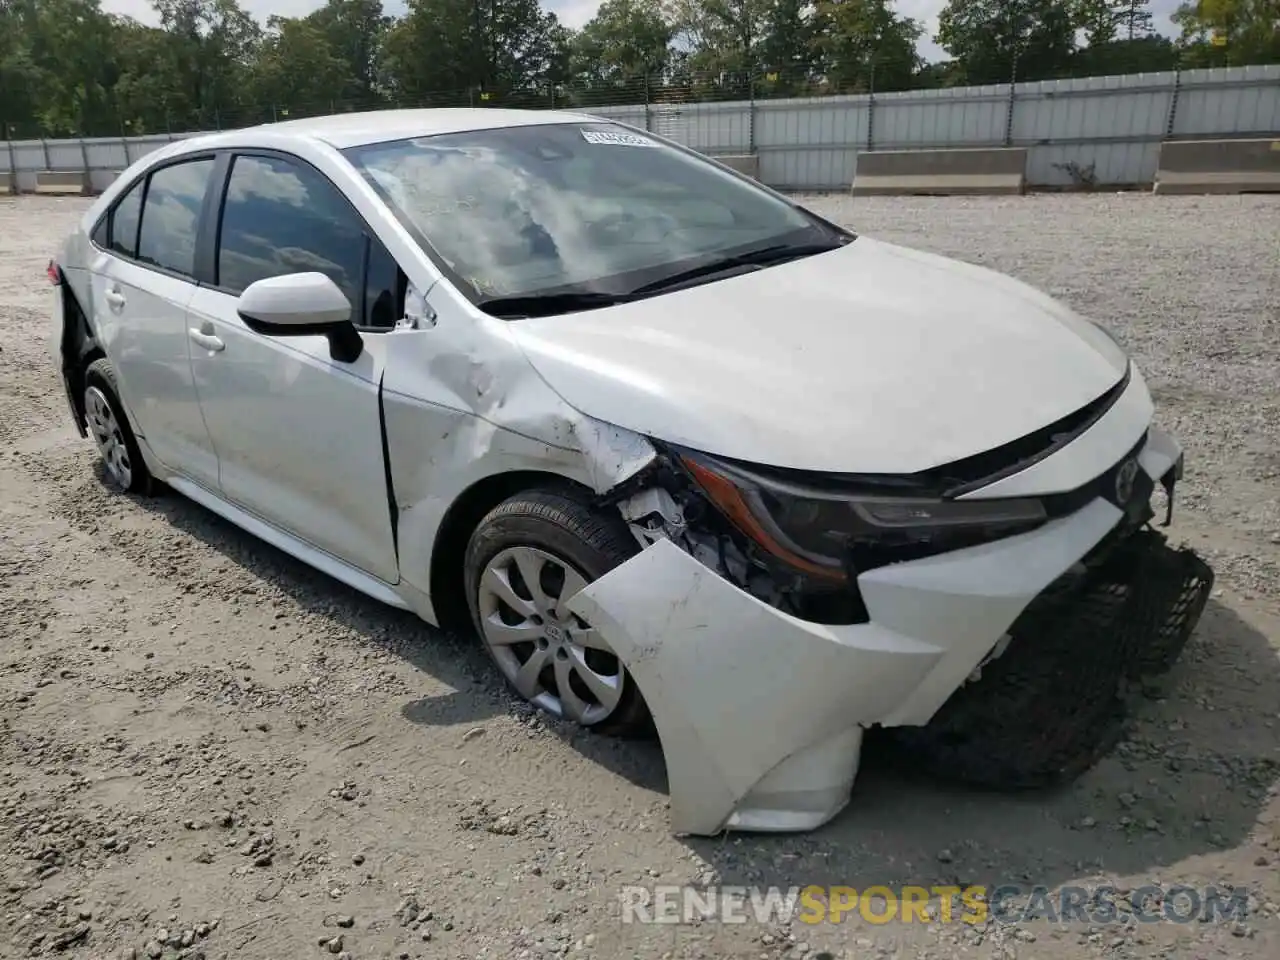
{"x":461,"y":406}
{"x":761,"y":713}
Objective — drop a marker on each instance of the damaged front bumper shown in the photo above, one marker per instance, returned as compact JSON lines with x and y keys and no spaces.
{"x":761,"y":715}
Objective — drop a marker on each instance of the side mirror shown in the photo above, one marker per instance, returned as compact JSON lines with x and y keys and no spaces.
{"x":302,"y":304}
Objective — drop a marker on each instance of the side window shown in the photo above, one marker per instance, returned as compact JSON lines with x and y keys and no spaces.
{"x":283,"y":217}
{"x":124,"y":222}
{"x":117,"y":229}
{"x":171,"y":216}
{"x":384,"y":289}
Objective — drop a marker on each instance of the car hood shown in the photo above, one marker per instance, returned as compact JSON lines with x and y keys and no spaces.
{"x":870,"y":358}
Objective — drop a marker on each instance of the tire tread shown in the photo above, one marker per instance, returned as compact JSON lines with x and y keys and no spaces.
{"x":539,"y":517}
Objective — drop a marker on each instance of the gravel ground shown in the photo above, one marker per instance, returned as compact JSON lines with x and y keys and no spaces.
{"x":208,"y":750}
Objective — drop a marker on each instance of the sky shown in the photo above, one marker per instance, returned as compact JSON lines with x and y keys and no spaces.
{"x":575,"y":13}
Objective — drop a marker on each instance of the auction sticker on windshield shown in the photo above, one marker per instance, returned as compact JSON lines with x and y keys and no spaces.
{"x":619,"y":139}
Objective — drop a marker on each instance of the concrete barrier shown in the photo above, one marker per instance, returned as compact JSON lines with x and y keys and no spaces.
{"x":746,"y":163}
{"x":987,"y":170}
{"x":67,"y":182}
{"x":6,"y":183}
{"x":100,"y":180}
{"x":1219,"y":166}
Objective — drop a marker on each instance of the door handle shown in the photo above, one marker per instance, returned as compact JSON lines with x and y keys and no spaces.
{"x":206,"y":340}
{"x":115,"y":299}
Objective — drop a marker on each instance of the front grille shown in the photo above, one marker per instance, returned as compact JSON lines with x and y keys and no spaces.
{"x":983,"y":469}
{"x":1052,"y":704}
{"x":1104,"y":485}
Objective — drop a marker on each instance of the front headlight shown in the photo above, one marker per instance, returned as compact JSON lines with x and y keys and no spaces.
{"x":835,"y":535}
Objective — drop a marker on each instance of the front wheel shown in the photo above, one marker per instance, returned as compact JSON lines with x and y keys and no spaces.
{"x":526,"y":558}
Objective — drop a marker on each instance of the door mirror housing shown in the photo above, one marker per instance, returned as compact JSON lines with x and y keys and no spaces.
{"x":299,"y":305}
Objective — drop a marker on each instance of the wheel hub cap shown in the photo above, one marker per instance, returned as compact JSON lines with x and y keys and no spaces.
{"x":107,"y":436}
{"x":553,"y":658}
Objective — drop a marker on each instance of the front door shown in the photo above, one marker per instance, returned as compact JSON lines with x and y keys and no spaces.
{"x":141,"y":283}
{"x":298,"y":434}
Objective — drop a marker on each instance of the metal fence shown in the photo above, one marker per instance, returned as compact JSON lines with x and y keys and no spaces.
{"x":1104,"y":131}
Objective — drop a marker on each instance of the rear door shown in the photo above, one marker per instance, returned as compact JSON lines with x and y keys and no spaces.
{"x":299,"y":434}
{"x":141,"y":281}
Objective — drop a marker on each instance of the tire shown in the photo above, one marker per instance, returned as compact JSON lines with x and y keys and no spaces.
{"x":535,"y":531}
{"x":111,"y":431}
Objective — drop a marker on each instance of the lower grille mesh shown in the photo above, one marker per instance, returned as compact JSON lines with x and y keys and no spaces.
{"x":1053,"y":703}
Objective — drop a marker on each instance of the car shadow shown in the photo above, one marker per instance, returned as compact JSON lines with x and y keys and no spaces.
{"x":456,"y":660}
{"x":1191,"y":777}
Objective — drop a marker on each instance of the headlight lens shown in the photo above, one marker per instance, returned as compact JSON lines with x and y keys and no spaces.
{"x":832,"y":536}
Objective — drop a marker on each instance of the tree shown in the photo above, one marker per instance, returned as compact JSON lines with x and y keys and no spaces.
{"x":1109,"y":21}
{"x":298,"y":69}
{"x":209,"y":53}
{"x":354,"y":30}
{"x":625,"y":42}
{"x":945,"y":73}
{"x":725,"y":37}
{"x":789,"y":49}
{"x":19,"y":75}
{"x":67,"y":67}
{"x":524,"y":46}
{"x":1135,"y":19}
{"x":866,"y":46}
{"x":998,"y":40}
{"x":1223,"y":32}
{"x":64,"y":48}
{"x":1119,"y":39}
{"x":148,"y":78}
{"x":457,"y":51}
{"x":428,"y":55}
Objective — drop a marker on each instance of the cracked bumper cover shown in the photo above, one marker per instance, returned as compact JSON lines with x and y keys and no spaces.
{"x":761,"y":714}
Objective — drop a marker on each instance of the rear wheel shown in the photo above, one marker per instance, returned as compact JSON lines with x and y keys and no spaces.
{"x":109,"y":427}
{"x":525,"y":560}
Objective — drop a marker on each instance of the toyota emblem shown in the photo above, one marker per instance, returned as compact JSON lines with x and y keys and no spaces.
{"x":1125,"y":477}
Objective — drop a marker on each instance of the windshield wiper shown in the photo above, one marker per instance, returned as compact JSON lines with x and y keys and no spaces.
{"x":549,"y":304}
{"x":766,"y":256}
{"x":569,"y":301}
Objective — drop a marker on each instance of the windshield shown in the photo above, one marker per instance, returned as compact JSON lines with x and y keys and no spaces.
{"x":569,"y":208}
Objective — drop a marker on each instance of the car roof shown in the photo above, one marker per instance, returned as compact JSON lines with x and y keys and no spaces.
{"x":345,"y":130}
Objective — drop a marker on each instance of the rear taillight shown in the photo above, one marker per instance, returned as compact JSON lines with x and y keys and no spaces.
{"x":55,"y":274}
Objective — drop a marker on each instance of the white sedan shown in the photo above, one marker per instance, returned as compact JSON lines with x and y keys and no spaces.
{"x":685,"y":455}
